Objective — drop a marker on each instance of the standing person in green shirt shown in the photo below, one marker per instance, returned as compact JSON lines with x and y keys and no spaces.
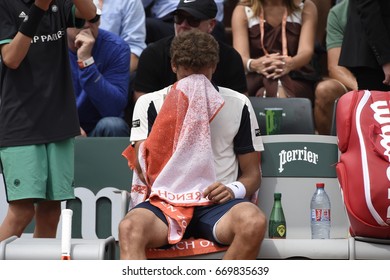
{"x":38,"y":115}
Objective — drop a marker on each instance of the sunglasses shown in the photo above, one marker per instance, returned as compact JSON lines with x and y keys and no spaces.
{"x":192,"y":21}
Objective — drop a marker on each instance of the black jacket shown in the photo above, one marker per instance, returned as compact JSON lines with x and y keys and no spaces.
{"x":367,"y":35}
{"x":155,"y":72}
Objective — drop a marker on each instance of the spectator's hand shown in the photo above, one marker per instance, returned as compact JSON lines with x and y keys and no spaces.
{"x":84,"y":43}
{"x":282,"y":66}
{"x":218,"y":193}
{"x":273,"y":64}
{"x":82,"y":132}
{"x":263,"y":65}
{"x":386,"y":71}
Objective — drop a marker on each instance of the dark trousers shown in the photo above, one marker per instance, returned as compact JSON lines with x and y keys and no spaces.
{"x":370,"y":78}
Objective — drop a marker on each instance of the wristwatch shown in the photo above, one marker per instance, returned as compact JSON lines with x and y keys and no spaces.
{"x":85,"y":63}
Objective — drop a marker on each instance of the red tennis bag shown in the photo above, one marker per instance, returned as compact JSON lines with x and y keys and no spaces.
{"x":363,"y":171}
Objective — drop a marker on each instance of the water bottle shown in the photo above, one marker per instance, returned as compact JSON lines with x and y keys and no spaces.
{"x":277,"y":222}
{"x":320,"y":213}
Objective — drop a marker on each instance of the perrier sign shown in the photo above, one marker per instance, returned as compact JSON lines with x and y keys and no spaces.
{"x":299,"y":159}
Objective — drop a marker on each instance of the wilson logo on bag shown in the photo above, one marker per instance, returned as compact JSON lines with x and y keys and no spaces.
{"x":363,"y":171}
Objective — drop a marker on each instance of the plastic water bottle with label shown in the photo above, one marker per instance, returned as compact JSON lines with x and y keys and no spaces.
{"x":320,"y":213}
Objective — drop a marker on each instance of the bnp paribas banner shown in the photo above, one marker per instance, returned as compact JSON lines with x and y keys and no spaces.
{"x":299,"y":156}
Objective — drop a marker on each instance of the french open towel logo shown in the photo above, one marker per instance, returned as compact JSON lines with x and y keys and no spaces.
{"x":296,"y":155}
{"x":381,"y":115}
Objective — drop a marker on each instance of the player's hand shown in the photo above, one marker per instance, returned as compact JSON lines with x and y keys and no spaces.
{"x":218,"y":193}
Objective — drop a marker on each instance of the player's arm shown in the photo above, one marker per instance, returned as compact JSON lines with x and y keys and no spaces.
{"x":250,"y":172}
{"x":137,"y":165}
{"x":246,"y":185}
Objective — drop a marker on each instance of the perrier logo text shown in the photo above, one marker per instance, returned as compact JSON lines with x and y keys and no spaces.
{"x":294,"y":155}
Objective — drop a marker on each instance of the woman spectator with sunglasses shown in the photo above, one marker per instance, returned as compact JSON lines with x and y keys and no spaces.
{"x":154,"y":67}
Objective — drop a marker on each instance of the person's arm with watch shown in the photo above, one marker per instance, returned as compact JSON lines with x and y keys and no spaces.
{"x":107,"y":85}
{"x":84,"y":43}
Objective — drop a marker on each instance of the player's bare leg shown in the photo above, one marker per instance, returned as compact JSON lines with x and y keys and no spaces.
{"x":243,"y":227}
{"x":141,"y":229}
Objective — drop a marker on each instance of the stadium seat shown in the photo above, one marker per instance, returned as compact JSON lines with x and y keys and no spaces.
{"x":297,"y":114}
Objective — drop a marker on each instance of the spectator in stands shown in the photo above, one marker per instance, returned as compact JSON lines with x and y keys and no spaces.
{"x":340,"y":79}
{"x":366,"y":45}
{"x":100,"y":69}
{"x":276,"y":42}
{"x":38,"y":115}
{"x":223,"y":213}
{"x":319,"y":57}
{"x":160,"y":23}
{"x":154,"y":69}
{"x":125,"y":18}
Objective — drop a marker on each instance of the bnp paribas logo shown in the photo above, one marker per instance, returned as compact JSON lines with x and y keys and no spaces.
{"x":287,"y":156}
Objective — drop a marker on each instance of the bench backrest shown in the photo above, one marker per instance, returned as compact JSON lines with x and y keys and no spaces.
{"x":292,"y":165}
{"x":101,"y":173}
{"x":100,"y":168}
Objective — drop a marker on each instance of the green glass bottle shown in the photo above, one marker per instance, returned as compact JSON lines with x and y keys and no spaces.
{"x":277,"y":222}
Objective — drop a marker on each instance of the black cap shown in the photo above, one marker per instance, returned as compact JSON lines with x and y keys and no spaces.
{"x":201,"y":9}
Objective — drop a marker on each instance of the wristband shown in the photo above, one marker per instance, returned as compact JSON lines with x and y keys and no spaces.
{"x":248,"y":65}
{"x":238,"y":189}
{"x":85,"y":63}
{"x":30,"y":24}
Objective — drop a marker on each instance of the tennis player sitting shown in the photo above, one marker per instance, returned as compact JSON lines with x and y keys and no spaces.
{"x":195,"y":152}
